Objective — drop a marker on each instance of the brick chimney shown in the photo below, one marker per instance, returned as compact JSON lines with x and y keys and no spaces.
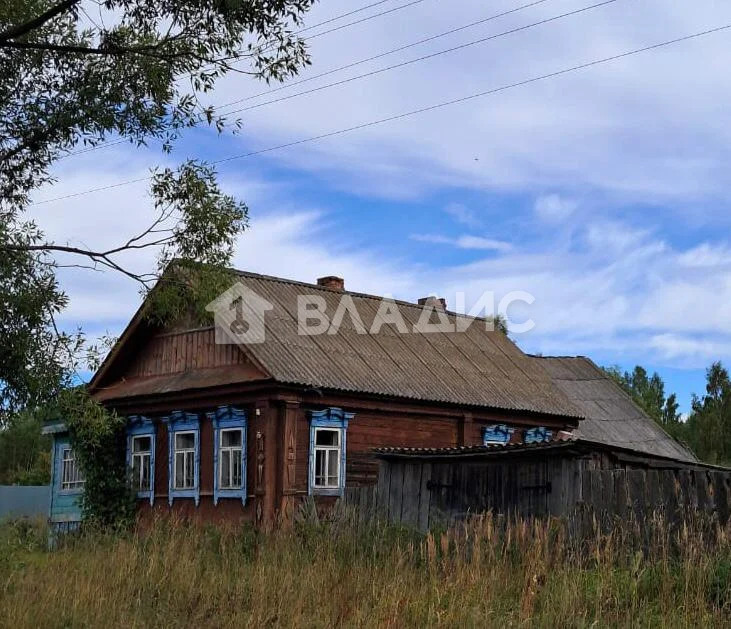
{"x":331,"y":281}
{"x":438,"y":303}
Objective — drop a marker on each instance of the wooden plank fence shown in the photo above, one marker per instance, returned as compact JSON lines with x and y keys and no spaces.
{"x":423,"y":494}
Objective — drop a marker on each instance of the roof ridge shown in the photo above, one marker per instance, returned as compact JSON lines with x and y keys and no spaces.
{"x":560,"y":357}
{"x":400,"y":302}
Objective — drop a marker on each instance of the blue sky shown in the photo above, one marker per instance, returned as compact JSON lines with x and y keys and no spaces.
{"x":603,"y":193}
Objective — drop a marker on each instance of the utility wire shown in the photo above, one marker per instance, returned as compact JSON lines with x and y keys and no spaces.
{"x":384,"y":54}
{"x":266,"y":44}
{"x":380,"y":70}
{"x":422,"y":110}
{"x":342,"y":15}
{"x":395,"y":66}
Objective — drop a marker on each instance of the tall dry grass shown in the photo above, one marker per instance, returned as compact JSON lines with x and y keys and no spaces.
{"x":341,"y":573}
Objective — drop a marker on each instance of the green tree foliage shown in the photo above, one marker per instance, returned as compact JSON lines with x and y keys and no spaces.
{"x":709,"y":424}
{"x":649,"y":394}
{"x":707,"y":430}
{"x":33,"y":353}
{"x":99,"y":440}
{"x":78,"y":73}
{"x":25,"y":454}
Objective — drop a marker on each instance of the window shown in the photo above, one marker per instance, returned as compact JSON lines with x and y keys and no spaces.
{"x":141,"y":455}
{"x":537,"y":435}
{"x":71,"y":475}
{"x":229,"y":457}
{"x":184,"y":456}
{"x":328,"y":431}
{"x":327,"y":458}
{"x":184,"y":460}
{"x":229,"y":453}
{"x":141,"y":462}
{"x":498,"y":434}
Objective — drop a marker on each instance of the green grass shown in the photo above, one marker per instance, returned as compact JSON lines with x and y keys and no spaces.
{"x":340,"y":573}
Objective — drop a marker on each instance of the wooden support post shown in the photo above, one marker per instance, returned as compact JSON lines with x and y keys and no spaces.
{"x":287,"y":460}
{"x":266,"y":463}
{"x":464,"y":430}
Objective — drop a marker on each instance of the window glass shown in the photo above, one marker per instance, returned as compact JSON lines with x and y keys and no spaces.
{"x":230,"y":453}
{"x":333,"y":464}
{"x":327,"y":458}
{"x":231,"y":438}
{"x":71,"y":475}
{"x":320,"y":467}
{"x":324,"y":437}
{"x":184,"y":441}
{"x":141,"y":462}
{"x":141,"y":444}
{"x":184,"y":471}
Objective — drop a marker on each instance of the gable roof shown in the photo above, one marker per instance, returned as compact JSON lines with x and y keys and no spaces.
{"x":611,"y":416}
{"x":477,"y":367}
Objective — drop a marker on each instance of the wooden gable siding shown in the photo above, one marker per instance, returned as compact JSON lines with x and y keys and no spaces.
{"x":177,"y":352}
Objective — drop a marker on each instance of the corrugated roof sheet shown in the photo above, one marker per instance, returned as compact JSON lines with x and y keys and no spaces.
{"x":478,"y":367}
{"x":611,"y":416}
{"x":493,"y":448}
{"x":570,"y":445}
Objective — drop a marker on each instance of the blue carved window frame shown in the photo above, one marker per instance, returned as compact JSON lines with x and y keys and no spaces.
{"x":141,"y":426}
{"x":177,"y":422}
{"x":333,"y":418}
{"x":497,"y":434}
{"x":227,"y":418}
{"x":61,"y":444}
{"x":540,"y":434}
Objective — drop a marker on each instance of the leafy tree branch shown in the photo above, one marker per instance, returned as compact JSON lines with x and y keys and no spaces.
{"x":136,"y":73}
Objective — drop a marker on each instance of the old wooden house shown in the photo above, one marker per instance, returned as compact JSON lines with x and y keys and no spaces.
{"x":244,"y":431}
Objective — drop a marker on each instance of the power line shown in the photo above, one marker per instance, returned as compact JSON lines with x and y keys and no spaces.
{"x":385,"y":54}
{"x":421,"y":110}
{"x":381,"y":70}
{"x":333,"y":29}
{"x":395,"y":66}
{"x":342,"y":15}
{"x":263,"y":47}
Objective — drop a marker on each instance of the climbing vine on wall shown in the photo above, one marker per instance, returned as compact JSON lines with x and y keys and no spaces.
{"x":99,"y":441}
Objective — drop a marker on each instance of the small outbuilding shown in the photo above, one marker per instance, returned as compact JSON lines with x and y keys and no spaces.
{"x":427,"y":487}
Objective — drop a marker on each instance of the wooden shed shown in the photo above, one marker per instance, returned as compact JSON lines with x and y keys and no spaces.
{"x":424,"y":487}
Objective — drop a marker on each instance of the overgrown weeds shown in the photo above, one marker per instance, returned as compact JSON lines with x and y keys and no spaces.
{"x":342,"y":572}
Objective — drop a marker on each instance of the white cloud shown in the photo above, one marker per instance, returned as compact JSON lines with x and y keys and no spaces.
{"x":462,"y":214}
{"x":296,"y":244}
{"x":464,"y":242}
{"x":645,"y":139}
{"x":675,"y":347}
{"x":554,"y":208}
{"x":705,"y":255}
{"x":649,"y":127}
